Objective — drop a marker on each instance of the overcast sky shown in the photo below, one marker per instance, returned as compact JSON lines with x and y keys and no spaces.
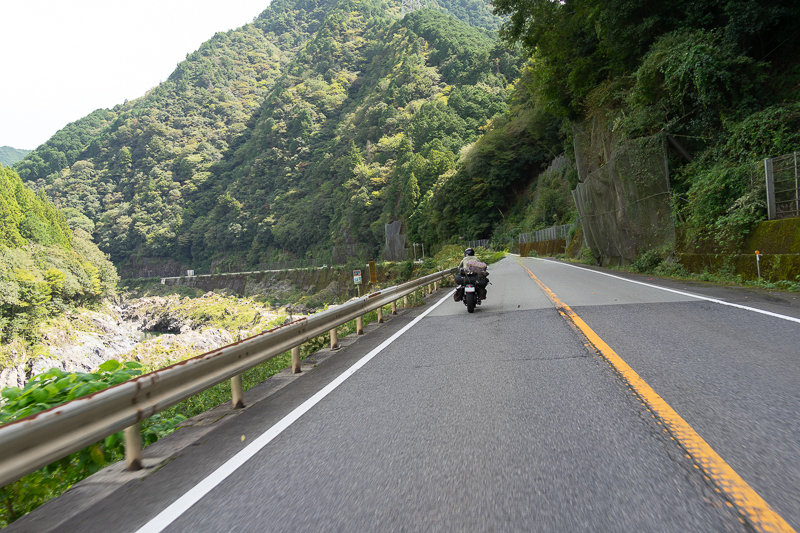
{"x":62,"y":59}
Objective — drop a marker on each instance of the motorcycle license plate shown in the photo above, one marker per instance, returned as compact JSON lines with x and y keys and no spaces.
{"x":469,"y":288}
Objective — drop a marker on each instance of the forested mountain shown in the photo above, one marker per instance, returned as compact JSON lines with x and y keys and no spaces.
{"x":44,"y":265}
{"x":371,"y":114}
{"x":309,"y":128}
{"x":319,"y":122}
{"x":9,"y":156}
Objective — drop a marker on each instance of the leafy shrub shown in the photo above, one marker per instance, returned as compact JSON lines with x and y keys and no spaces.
{"x":406,"y":270}
{"x":587,"y":257}
{"x":647,"y":261}
{"x":695,"y":71}
{"x":488,"y":256}
{"x":671,"y":269}
{"x":53,"y":388}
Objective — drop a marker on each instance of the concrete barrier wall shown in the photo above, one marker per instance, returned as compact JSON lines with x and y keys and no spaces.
{"x":778,"y":242}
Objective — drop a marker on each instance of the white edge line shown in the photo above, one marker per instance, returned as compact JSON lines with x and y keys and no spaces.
{"x":682,"y":293}
{"x":182,"y":504}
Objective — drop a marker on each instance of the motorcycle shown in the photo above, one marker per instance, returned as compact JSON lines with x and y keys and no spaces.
{"x":471,"y":285}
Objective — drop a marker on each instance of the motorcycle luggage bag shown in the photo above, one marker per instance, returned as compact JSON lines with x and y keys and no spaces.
{"x":459,"y":294}
{"x":459,"y":279}
{"x":475,"y":267}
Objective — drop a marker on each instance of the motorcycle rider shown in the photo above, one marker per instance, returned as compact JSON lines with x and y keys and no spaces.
{"x":469,"y":255}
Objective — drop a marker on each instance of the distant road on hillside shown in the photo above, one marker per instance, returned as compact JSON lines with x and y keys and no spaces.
{"x":508,"y":419}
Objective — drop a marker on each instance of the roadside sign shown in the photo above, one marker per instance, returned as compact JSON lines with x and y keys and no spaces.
{"x":357,"y":277}
{"x":373,"y":272}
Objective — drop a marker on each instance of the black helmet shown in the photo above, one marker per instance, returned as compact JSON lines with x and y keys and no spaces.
{"x":469,"y":251}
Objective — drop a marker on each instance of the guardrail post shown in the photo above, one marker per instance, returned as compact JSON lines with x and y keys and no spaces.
{"x":133,"y":447}
{"x":237,"y":392}
{"x":295,"y":360}
{"x":360,"y":325}
{"x":435,"y":286}
{"x":405,"y":302}
{"x":334,"y":339}
{"x":380,"y":315}
{"x":394,"y":307}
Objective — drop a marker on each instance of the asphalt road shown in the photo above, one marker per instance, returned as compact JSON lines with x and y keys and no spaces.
{"x":505,"y":420}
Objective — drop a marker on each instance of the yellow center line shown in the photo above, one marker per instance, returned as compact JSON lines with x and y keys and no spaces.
{"x":750,"y":504}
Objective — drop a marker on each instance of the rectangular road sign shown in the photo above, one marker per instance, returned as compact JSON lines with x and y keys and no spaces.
{"x":357,"y":277}
{"x":373,"y":272}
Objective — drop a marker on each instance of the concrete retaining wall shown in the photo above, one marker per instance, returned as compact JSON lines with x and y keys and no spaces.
{"x":778,"y":242}
{"x":553,"y":247}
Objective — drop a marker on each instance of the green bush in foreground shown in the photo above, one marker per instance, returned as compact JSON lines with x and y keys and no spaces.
{"x":53,"y":388}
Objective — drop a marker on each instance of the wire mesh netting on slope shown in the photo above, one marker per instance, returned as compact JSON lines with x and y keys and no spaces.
{"x":783,"y":185}
{"x":623,"y":193}
{"x":395,"y":242}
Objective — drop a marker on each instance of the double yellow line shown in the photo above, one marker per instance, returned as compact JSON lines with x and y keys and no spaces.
{"x":751,"y":506}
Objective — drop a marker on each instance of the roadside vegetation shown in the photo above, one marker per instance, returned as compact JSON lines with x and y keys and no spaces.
{"x":659,"y":262}
{"x":654,"y":262}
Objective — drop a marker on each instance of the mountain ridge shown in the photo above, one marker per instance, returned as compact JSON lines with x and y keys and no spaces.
{"x":157,"y":174}
{"x":9,"y":155}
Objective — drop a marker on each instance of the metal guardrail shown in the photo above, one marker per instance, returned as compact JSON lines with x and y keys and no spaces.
{"x":38,"y":440}
{"x":249,"y":272}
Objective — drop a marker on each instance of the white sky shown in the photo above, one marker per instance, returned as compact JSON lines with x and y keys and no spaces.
{"x":62,"y":59}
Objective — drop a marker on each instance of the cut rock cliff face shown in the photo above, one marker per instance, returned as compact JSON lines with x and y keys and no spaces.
{"x":89,"y":338}
{"x":95,"y":338}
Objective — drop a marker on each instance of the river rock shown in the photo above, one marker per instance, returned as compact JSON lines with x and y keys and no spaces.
{"x":13,"y":376}
{"x":167,"y":349}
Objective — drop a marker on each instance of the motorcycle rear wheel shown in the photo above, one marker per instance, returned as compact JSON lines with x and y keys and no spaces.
{"x":470,"y":301}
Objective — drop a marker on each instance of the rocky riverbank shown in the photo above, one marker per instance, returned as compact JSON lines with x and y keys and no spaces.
{"x":154,"y":330}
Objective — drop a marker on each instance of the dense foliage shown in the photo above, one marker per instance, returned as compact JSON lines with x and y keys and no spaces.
{"x":721,"y":77}
{"x":485,"y":192}
{"x":477,"y":14}
{"x":44,"y":265}
{"x":356,"y":137}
